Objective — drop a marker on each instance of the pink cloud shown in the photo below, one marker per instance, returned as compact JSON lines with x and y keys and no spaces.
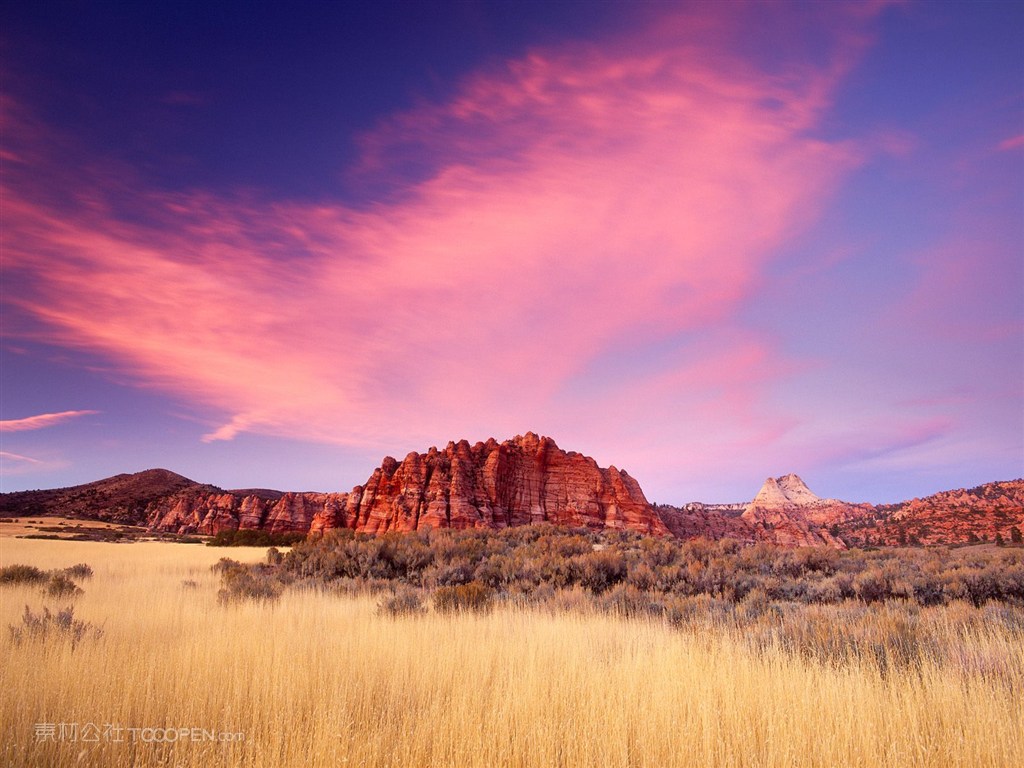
{"x":41,"y":421}
{"x":581,"y":200}
{"x":1014,"y":142}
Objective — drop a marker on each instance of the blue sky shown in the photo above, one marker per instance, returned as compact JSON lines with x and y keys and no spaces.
{"x":267,"y":244}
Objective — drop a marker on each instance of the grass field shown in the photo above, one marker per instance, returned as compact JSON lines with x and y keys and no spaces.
{"x":321,"y":679}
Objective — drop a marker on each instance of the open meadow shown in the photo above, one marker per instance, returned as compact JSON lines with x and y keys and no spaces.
{"x":323,"y":677}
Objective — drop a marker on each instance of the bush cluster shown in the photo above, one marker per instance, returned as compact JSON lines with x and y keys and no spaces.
{"x":46,"y":626}
{"x":248,"y":582}
{"x":56,"y":583}
{"x":252,"y":538}
{"x":78,"y":571}
{"x":403,"y":601}
{"x":629,"y":572}
{"x":59,"y":585}
{"x":22,"y":574}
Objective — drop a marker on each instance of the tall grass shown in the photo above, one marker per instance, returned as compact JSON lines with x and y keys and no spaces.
{"x":326,"y":679}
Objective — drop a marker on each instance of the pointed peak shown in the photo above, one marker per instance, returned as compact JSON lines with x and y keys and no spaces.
{"x":787,"y":489}
{"x":796,"y":490}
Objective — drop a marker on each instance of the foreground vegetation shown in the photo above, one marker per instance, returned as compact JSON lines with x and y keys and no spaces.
{"x":639,"y":574}
{"x":327,"y":668}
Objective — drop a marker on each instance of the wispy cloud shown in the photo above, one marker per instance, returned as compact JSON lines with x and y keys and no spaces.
{"x":1014,"y":142}
{"x":40,"y":421}
{"x":7,"y":456}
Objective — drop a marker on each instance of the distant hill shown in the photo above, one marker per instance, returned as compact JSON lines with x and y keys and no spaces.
{"x":121,"y":499}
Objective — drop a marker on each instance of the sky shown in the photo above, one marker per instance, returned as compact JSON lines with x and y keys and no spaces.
{"x":266,"y":244}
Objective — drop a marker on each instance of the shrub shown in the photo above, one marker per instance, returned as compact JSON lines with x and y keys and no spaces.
{"x":454,"y":573}
{"x":573,"y":600}
{"x":602,"y":570}
{"x":628,"y":600}
{"x":60,"y":585}
{"x":473,"y":596}
{"x":928,"y":590}
{"x":754,"y":605}
{"x":79,"y":571}
{"x":240,"y":582}
{"x":22,"y":574}
{"x":404,"y":601}
{"x":642,"y":577}
{"x":52,"y":626}
{"x":872,"y":585}
{"x":825,"y":592}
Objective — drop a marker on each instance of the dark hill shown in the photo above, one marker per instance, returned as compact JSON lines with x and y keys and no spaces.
{"x":122,"y":498}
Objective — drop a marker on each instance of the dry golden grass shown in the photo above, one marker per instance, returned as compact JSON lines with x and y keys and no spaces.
{"x":322,"y":680}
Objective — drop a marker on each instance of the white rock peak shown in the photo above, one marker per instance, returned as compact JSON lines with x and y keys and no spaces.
{"x":788,"y":489}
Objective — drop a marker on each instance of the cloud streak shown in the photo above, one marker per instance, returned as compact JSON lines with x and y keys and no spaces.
{"x":40,"y":421}
{"x":18,"y":458}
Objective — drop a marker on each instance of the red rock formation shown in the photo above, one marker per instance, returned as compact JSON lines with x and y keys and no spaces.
{"x":949,"y":517}
{"x":786,"y":512}
{"x":709,"y":521}
{"x":211,"y":513}
{"x":528,"y":479}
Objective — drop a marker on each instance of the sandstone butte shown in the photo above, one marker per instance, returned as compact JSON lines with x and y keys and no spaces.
{"x":522,"y":481}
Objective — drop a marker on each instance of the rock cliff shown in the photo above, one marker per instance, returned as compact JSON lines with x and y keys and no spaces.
{"x":521,"y":481}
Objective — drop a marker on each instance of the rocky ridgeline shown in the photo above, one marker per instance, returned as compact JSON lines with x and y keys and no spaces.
{"x":959,"y":516}
{"x":522,"y":481}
